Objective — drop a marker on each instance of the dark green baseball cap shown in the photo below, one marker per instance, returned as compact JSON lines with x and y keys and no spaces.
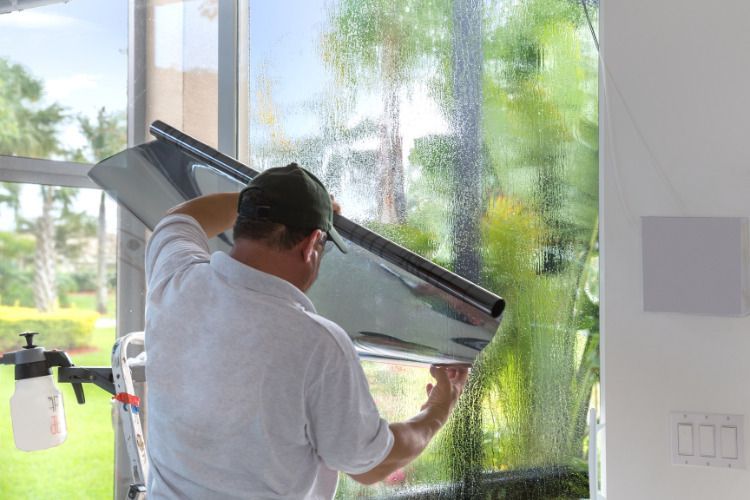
{"x":293,"y":197}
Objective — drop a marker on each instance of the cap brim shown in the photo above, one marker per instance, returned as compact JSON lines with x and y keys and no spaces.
{"x":334,"y":236}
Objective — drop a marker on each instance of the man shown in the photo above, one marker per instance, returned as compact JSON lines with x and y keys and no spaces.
{"x":251,"y":393}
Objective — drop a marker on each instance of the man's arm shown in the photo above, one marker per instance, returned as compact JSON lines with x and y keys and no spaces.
{"x":412,"y":436}
{"x":214,"y":212}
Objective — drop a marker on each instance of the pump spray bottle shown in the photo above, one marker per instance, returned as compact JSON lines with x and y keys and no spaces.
{"x":36,"y":407}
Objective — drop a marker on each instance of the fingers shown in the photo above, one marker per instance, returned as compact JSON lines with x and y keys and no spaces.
{"x":335,"y":206}
{"x":460,"y":375}
{"x":440,"y":374}
{"x":451,"y":375}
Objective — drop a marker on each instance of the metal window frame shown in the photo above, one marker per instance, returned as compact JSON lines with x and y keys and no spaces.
{"x":48,"y":172}
{"x":228,"y":76}
{"x":131,"y":233}
{"x":131,"y":285}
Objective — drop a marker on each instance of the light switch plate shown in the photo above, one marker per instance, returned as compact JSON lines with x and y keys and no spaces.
{"x":715,"y":440}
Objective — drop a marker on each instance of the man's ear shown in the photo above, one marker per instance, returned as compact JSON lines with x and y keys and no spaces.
{"x":310,"y":245}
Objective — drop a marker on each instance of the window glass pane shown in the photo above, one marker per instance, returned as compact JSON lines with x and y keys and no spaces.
{"x":57,"y":277}
{"x":60,"y":64}
{"x":467,"y":131}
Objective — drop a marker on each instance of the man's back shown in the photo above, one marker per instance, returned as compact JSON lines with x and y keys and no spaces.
{"x":288,"y":404}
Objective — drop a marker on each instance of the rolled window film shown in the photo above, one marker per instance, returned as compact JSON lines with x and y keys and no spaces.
{"x":394,"y":304}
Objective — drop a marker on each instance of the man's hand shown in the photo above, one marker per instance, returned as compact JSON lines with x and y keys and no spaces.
{"x":411,"y":437}
{"x":442,"y":397}
{"x":335,"y":205}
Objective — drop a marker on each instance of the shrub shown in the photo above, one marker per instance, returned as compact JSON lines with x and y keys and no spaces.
{"x":16,"y":286}
{"x":61,"y":329}
{"x":65,"y":285}
{"x":83,"y":281}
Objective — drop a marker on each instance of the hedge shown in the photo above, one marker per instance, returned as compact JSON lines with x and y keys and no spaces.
{"x":61,"y":329}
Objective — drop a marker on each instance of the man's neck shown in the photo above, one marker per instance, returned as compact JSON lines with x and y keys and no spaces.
{"x":280,"y":263}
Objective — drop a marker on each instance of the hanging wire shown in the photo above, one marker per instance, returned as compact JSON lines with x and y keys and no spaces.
{"x":591,"y":26}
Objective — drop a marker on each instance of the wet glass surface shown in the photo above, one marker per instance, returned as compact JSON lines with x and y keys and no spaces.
{"x":466,"y":131}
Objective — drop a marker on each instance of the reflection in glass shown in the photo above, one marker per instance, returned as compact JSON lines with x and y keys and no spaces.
{"x":180,"y":64}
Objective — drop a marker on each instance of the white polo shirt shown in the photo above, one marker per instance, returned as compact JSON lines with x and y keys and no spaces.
{"x":251,"y":394}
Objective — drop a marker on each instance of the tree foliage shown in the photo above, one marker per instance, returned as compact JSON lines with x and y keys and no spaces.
{"x":105,"y":135}
{"x":537,"y":175}
{"x":26,"y":127}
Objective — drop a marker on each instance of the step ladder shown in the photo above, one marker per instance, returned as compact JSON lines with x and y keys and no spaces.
{"x":128,"y":408}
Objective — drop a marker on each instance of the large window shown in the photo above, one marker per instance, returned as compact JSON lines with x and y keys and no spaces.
{"x":466,"y":131}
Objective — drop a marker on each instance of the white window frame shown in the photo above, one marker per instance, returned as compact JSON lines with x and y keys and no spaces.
{"x":47,"y":172}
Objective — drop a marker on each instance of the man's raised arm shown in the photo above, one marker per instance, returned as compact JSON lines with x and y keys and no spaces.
{"x":215,"y":213}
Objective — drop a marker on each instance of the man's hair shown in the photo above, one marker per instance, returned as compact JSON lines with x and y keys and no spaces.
{"x":270,"y":233}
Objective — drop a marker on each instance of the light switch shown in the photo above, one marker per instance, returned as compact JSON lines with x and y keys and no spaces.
{"x":707,"y":439}
{"x":728,"y":442}
{"x":685,"y":439}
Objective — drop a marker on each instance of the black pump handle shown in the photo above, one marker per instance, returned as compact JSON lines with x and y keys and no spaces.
{"x":29,"y":336}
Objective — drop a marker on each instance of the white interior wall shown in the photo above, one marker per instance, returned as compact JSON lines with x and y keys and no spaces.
{"x":674,"y":108}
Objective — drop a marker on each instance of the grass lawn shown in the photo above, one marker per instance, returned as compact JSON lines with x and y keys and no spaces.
{"x":88,"y":301}
{"x":82,"y":467}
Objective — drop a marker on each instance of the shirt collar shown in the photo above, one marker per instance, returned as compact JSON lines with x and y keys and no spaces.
{"x":242,"y":275}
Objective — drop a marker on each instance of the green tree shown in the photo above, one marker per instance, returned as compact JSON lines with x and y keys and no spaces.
{"x":29,"y":129}
{"x":536,"y":167}
{"x":16,"y":272}
{"x":539,"y":232}
{"x":10,"y":196}
{"x":26,"y":127}
{"x":105,"y":136}
{"x":16,"y":268}
{"x":382,"y":42}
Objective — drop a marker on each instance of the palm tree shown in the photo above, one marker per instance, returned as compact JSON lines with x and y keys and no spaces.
{"x":11,"y":197}
{"x":382,"y":42}
{"x":26,"y":129}
{"x":106,"y":136}
{"x":45,"y":286}
{"x":30,"y":130}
